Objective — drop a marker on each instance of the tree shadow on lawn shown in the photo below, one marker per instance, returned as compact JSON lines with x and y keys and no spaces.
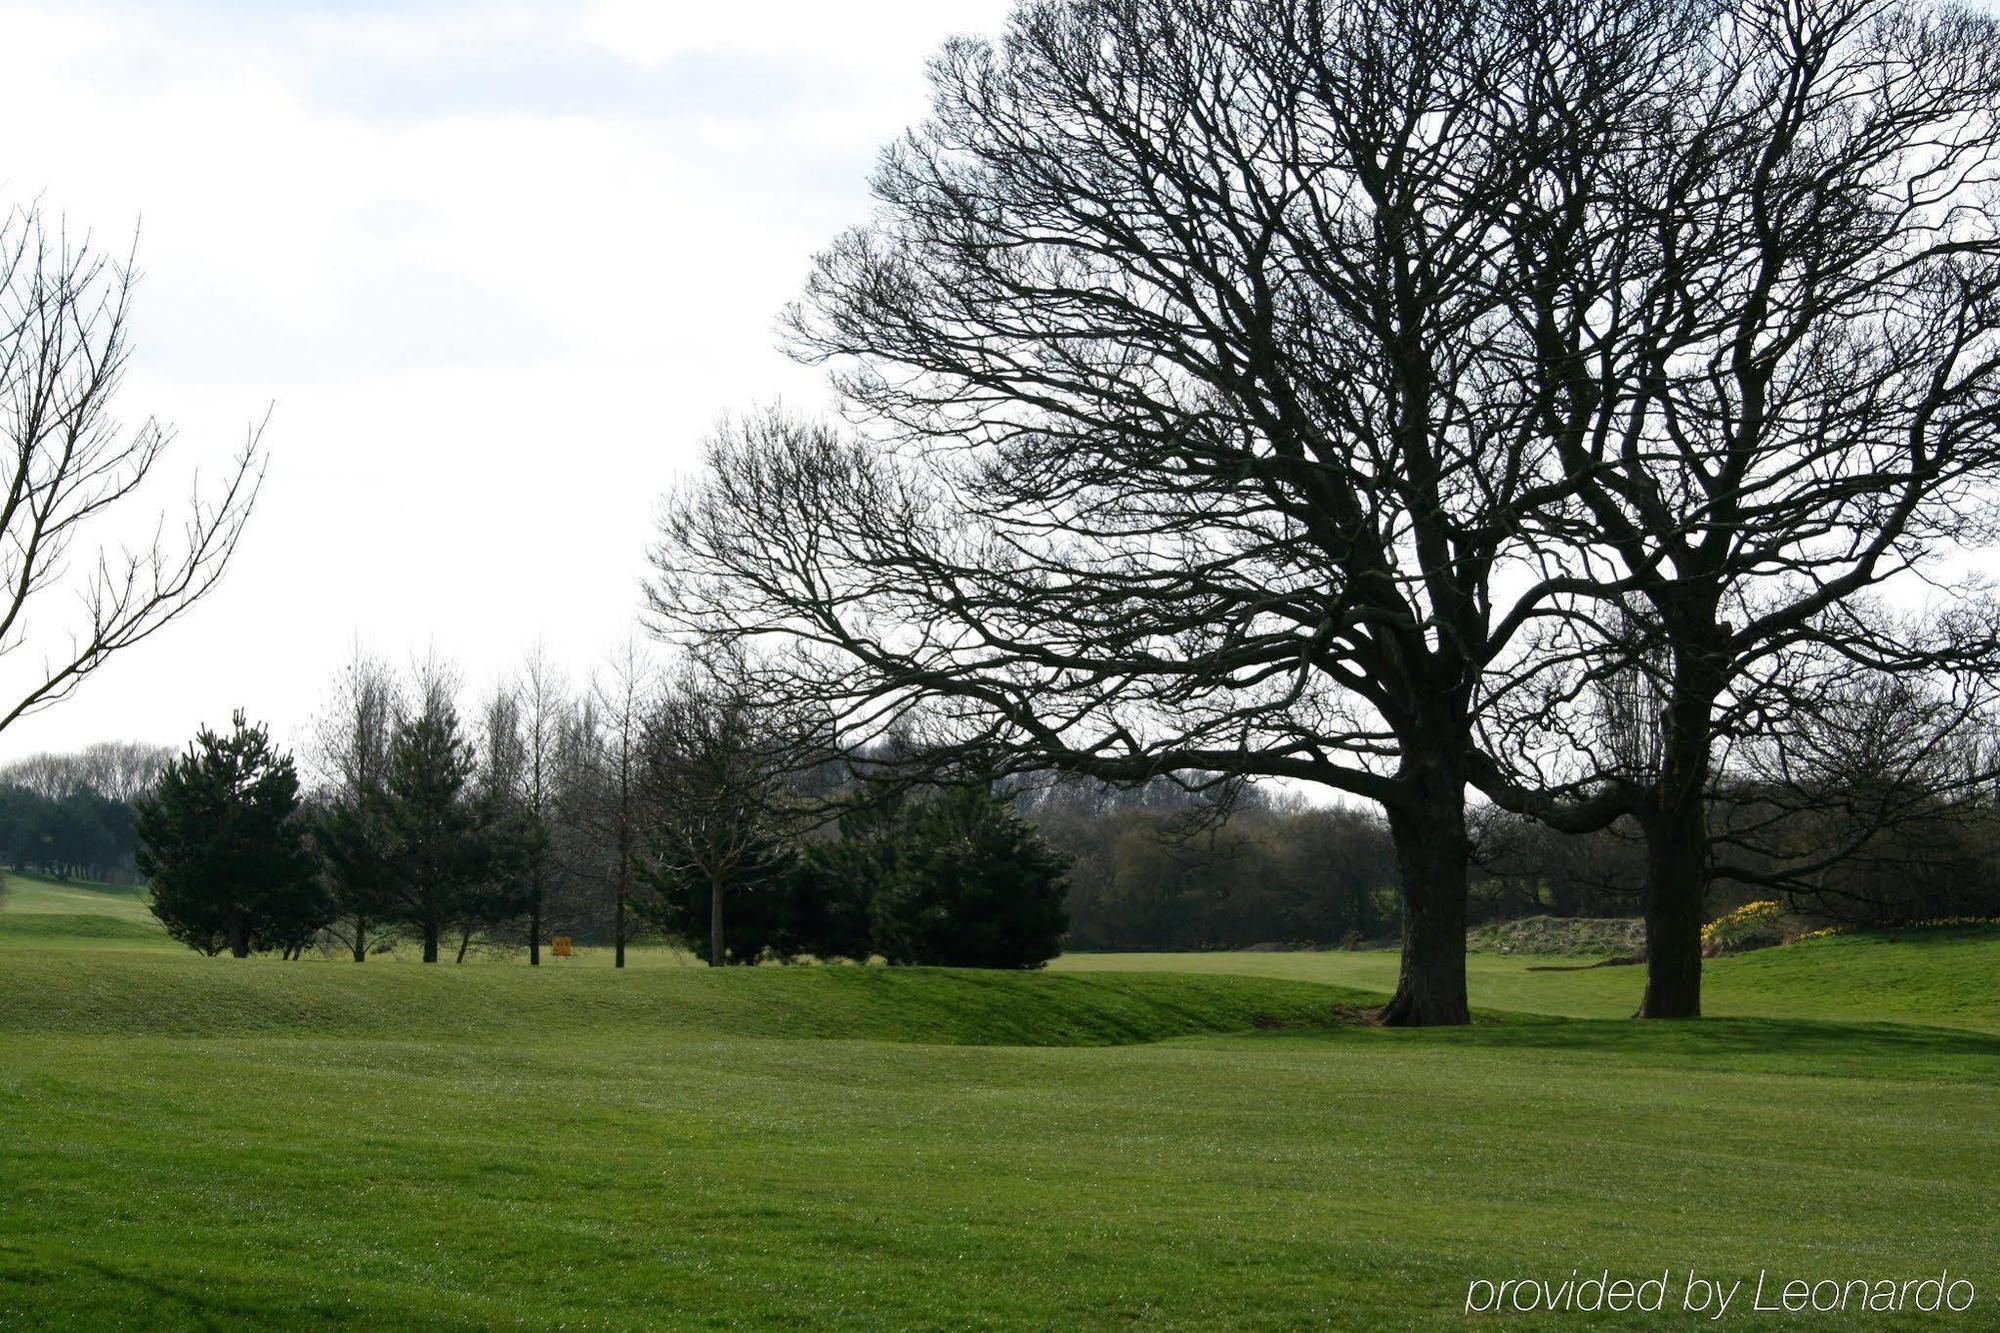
{"x":1765,"y":1045}
{"x":33,"y":1272}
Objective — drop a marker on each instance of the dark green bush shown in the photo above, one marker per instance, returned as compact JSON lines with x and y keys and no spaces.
{"x":971,"y":885}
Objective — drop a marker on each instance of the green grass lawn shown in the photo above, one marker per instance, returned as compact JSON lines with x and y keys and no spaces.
{"x":31,"y":895}
{"x":210,"y":1143}
{"x":42,"y":914}
{"x":1942,"y":977}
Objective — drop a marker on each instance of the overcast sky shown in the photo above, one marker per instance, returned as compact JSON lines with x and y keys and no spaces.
{"x":497,"y":266}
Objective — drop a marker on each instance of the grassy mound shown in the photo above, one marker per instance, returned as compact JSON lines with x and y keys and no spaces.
{"x":32,"y":894}
{"x":1947,"y":976}
{"x":37,"y":913}
{"x":187,"y":996}
{"x":57,"y":928}
{"x":1574,"y":936}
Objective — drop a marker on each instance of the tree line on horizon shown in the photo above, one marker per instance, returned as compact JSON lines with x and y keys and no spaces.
{"x":644,"y":804}
{"x":616,"y":811}
{"x":1158,"y":867}
{"x":69,"y":815}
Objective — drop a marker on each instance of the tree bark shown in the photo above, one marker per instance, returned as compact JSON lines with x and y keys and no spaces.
{"x":618,"y":929}
{"x":360,"y":939}
{"x":1431,"y":851}
{"x":535,"y":930}
{"x":1676,"y":829}
{"x":1673,"y":923}
{"x":715,"y":953}
{"x":431,"y":933}
{"x":624,"y":847}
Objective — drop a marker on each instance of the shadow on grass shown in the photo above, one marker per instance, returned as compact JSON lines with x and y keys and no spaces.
{"x":33,"y":1273}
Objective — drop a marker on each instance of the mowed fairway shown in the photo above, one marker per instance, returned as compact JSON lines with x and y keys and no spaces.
{"x":1922,"y":977}
{"x":204,"y":1142}
{"x":42,"y":914}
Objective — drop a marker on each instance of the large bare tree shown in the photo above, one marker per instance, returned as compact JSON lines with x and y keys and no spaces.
{"x":1315,"y":389}
{"x":1763,"y":280}
{"x":72,"y":469}
{"x":1191,"y":429}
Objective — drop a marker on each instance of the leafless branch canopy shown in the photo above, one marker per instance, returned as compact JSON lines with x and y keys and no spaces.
{"x":1194,"y":425}
{"x":64,"y":328}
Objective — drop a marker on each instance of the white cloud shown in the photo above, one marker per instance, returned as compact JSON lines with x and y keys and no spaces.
{"x":498,"y":270}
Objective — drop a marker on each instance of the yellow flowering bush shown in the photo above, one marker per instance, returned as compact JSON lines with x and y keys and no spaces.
{"x":1756,"y":925}
{"x":1932,"y":923}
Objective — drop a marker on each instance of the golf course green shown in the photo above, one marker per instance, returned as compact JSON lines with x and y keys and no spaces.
{"x":1214,"y":1139}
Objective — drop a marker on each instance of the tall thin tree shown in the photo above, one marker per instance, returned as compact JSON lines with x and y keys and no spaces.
{"x":1761,"y":275}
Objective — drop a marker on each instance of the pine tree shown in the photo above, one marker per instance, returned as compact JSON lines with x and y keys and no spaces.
{"x":832,"y":890}
{"x":971,"y":885}
{"x":432,"y":832}
{"x":221,"y":841}
{"x":358,"y":851}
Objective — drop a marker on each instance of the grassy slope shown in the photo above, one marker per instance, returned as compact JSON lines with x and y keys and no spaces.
{"x":121,"y":995}
{"x":26,"y":894}
{"x":1918,"y":977}
{"x":207,"y":1142}
{"x":42,"y":914}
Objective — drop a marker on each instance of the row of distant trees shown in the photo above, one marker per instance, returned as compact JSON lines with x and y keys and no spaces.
{"x":1152,"y":866}
{"x":69,"y":816}
{"x":1865,"y":841}
{"x":78,"y":835}
{"x":638,"y":803}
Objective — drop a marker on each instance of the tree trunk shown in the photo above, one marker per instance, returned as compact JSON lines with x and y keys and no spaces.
{"x":1431,"y":853}
{"x":239,"y":937}
{"x":464,"y":943}
{"x":1676,"y":829}
{"x":624,"y":846}
{"x":618,"y":929}
{"x":535,"y":930}
{"x":431,"y":933}
{"x":715,"y":954}
{"x":360,"y":940}
{"x":1673,"y":933}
